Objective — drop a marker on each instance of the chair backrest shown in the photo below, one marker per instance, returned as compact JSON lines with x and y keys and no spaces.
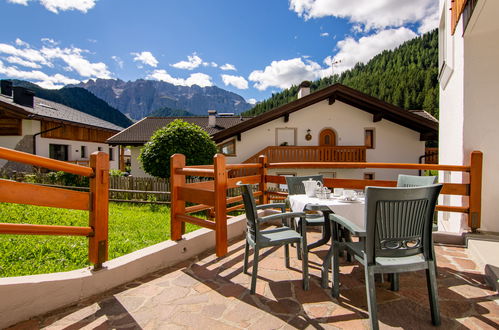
{"x":399,"y":221}
{"x":295,"y":183}
{"x":415,"y":181}
{"x":250,"y":208}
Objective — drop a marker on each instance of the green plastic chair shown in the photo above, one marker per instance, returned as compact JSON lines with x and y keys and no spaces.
{"x":284,"y":235}
{"x":296,"y":187}
{"x":398,"y":238}
{"x":415,"y":181}
{"x":411,"y":181}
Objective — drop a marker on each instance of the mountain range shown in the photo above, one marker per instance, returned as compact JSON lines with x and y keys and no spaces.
{"x":138,"y":99}
{"x":79,"y":99}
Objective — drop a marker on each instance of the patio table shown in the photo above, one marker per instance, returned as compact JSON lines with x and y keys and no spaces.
{"x":354,"y":211}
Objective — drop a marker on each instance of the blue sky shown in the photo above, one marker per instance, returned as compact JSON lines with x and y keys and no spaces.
{"x":253,"y":48}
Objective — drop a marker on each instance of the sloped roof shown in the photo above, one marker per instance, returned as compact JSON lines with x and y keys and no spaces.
{"x":45,"y":109}
{"x":140,"y":132}
{"x":380,"y":110}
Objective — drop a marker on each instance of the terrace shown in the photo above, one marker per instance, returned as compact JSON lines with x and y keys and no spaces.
{"x":187,"y":283}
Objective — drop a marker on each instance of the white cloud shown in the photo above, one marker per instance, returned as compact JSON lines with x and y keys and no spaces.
{"x":49,"y":42}
{"x":285,"y":73}
{"x":118,"y":61}
{"x":236,"y":81}
{"x":373,"y":14}
{"x":21,"y":43}
{"x":20,"y":61}
{"x":19,"y":2}
{"x":251,"y":101}
{"x":192,"y":62}
{"x":200,"y":79}
{"x":75,"y":61}
{"x":353,"y":51}
{"x":228,"y":67}
{"x":41,"y":78}
{"x":146,"y":58}
{"x":29,"y":54}
{"x":68,"y":59}
{"x":324,"y":34}
{"x":62,"y":5}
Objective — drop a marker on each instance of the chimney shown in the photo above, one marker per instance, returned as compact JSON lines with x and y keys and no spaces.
{"x":304,"y":88}
{"x":212,"y":118}
{"x":6,"y":87}
{"x":23,"y":96}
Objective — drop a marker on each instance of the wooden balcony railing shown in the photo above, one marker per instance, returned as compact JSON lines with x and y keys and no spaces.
{"x":213,"y":194}
{"x":283,"y":154}
{"x":95,"y":202}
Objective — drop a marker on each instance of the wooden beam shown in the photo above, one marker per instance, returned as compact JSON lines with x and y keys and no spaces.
{"x":197,"y":221}
{"x":177,"y":180}
{"x":238,"y":136}
{"x":220,"y":197}
{"x":26,"y":193}
{"x":99,"y":213}
{"x":286,"y":117}
{"x":25,"y":229}
{"x":377,"y":117}
{"x":332,"y":99}
{"x":476,"y":163}
{"x":428,"y":136}
{"x":195,"y":195}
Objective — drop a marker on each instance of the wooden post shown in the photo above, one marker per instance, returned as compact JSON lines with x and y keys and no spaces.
{"x":474,"y":217}
{"x":263,"y":184}
{"x":177,"y":205}
{"x":99,"y":209}
{"x":122,"y":158}
{"x":220,"y":204}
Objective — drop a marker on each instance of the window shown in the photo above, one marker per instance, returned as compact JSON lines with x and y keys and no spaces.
{"x":58,"y":151}
{"x":228,"y":148}
{"x":83,"y":152}
{"x":368,"y":176}
{"x":369,"y":138}
{"x":111,"y":154}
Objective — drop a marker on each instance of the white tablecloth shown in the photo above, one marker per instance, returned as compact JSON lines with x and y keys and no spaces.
{"x":352,"y":211}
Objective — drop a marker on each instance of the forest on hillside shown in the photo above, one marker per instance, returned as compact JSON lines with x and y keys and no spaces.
{"x":405,"y":76}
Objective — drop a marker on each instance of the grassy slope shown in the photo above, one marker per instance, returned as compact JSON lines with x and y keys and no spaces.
{"x":131,"y":227}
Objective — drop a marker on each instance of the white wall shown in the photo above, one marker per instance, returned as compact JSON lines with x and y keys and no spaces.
{"x":393,"y":143}
{"x":469,"y":110}
{"x":136,"y":167}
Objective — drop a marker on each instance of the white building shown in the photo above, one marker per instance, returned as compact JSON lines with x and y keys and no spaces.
{"x":469,"y":110}
{"x":49,"y":129}
{"x":337,"y":123}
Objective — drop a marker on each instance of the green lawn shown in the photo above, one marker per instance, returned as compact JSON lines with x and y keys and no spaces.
{"x":131,"y":227}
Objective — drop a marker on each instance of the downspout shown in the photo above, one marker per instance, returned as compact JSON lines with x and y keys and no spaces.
{"x":45,"y":131}
{"x":421,"y":162}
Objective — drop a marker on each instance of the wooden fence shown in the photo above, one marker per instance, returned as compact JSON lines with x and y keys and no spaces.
{"x":95,"y":201}
{"x":213,"y":194}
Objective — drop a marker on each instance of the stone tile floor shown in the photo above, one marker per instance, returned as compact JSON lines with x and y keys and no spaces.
{"x":211,"y":293}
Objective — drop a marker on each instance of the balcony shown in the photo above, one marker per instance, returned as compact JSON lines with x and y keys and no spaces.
{"x":284,"y":154}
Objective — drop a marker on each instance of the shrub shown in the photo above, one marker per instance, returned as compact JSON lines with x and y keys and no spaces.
{"x":177,"y":137}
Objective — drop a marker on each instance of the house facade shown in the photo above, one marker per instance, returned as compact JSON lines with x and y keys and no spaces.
{"x":49,"y":129}
{"x":334,"y":124}
{"x":469,"y":111}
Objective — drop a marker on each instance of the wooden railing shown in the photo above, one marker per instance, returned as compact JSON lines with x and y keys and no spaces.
{"x":95,"y":201}
{"x":278,"y":154}
{"x":213,"y":194}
